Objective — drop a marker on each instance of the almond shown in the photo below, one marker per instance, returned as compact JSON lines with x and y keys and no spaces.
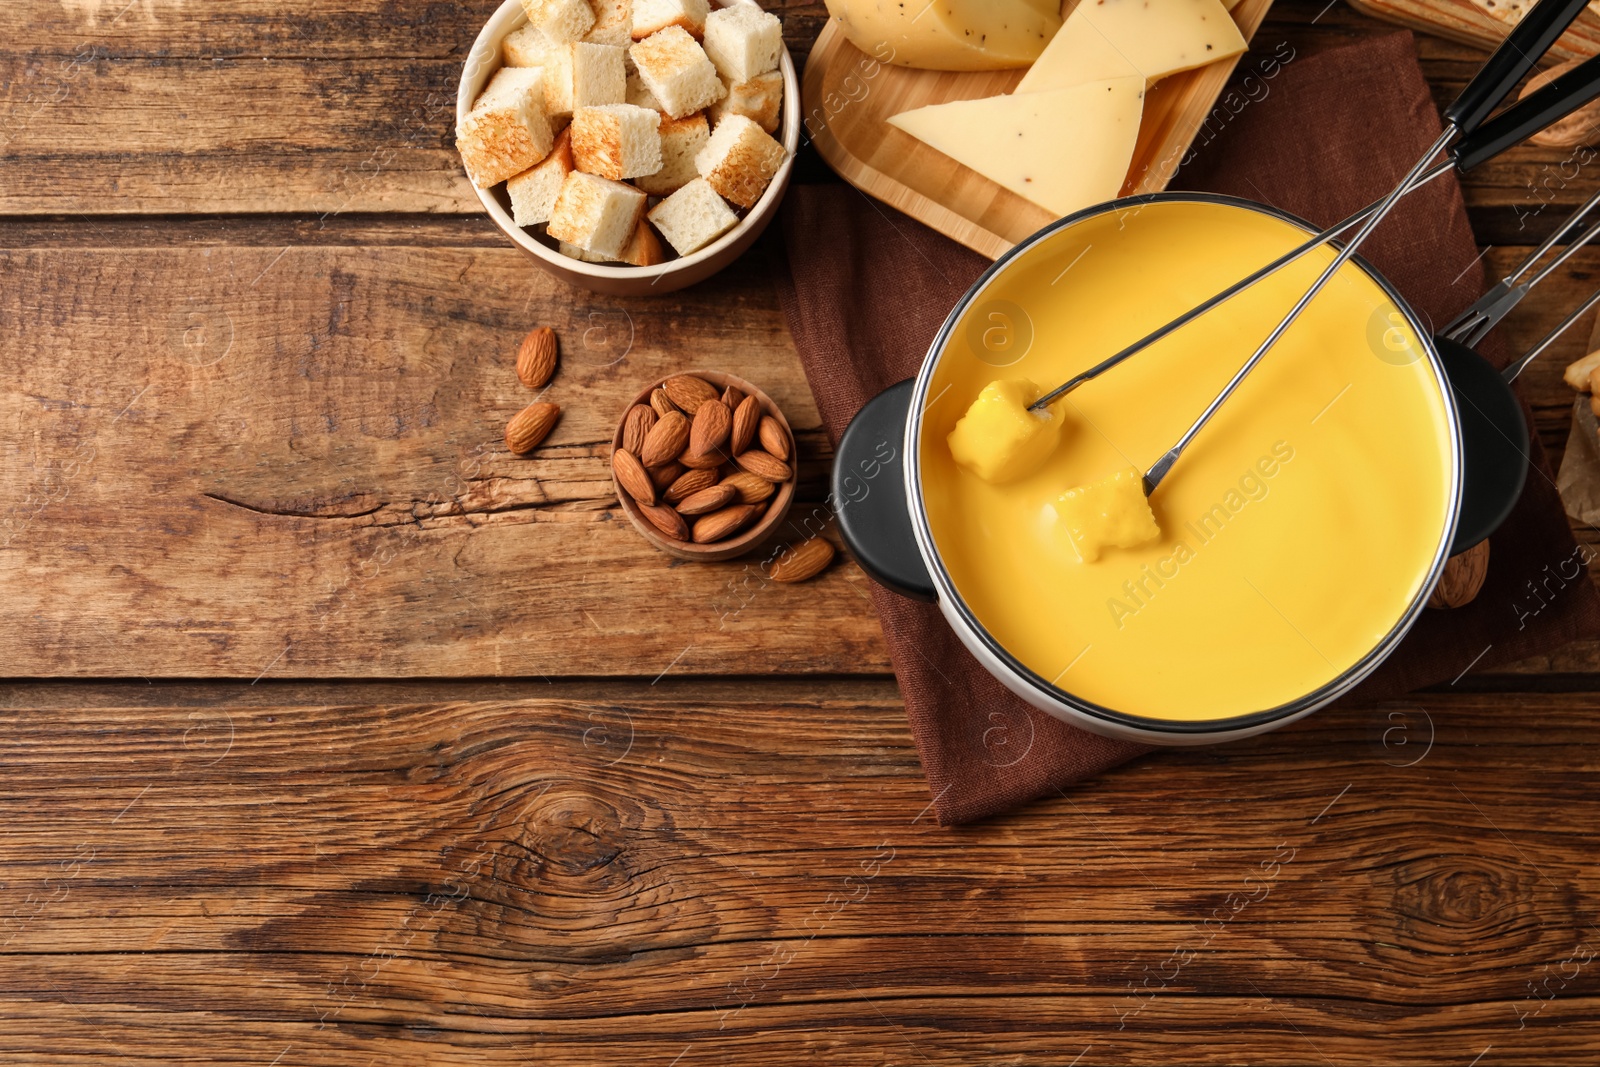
{"x":710,"y":428}
{"x":631,"y":476}
{"x":773,"y":439}
{"x":660,"y":403}
{"x":690,"y":483}
{"x":732,"y":397}
{"x":1463,"y":577}
{"x":667,"y":521}
{"x":665,"y":439}
{"x":764,"y":465}
{"x":706,"y":461}
{"x":665,"y":476}
{"x":536,"y":359}
{"x":751,"y":489}
{"x":708,"y":500}
{"x":805,"y":560}
{"x":635,"y":424}
{"x":746,"y":419}
{"x":689,"y":392}
{"x":720,"y":524}
{"x":530,"y":426}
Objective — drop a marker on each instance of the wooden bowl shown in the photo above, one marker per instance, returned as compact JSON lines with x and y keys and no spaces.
{"x":622,"y":279}
{"x":752,"y":538}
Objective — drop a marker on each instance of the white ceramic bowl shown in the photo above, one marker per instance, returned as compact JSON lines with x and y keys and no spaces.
{"x":621,"y":279}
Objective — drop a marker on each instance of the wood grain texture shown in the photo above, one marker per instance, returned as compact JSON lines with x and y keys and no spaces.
{"x":178,"y":106}
{"x":850,"y":96}
{"x":596,"y":873}
{"x":333,"y":498}
{"x":237,"y":459}
{"x":1469,"y":23}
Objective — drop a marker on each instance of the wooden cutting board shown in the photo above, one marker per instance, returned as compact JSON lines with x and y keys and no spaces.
{"x":849,"y":95}
{"x":1464,"y":21}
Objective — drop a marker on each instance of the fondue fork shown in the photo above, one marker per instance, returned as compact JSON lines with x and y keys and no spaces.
{"x":1504,"y":69}
{"x":1479,"y":142}
{"x":1473,"y":324}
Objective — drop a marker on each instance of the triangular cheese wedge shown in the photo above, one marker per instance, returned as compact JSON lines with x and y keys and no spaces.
{"x":1155,"y":38}
{"x":1063,"y":149}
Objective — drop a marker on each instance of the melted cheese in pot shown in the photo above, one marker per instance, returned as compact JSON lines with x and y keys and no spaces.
{"x":1297,"y":529}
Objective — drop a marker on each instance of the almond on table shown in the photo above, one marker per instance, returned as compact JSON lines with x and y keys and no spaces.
{"x":802,"y":562}
{"x":530,"y":426}
{"x":537,"y":357}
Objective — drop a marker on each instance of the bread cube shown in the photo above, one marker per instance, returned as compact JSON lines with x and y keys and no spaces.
{"x":525,"y":47}
{"x":675,"y":69}
{"x":739,"y":160}
{"x":507,"y":130}
{"x":616,"y":140}
{"x":644,"y":248}
{"x":596,"y":214}
{"x":639,"y":94}
{"x":572,"y":251}
{"x":693,"y":217}
{"x":681,"y":141}
{"x":743,"y":41}
{"x":653,"y":16}
{"x":533,"y":192}
{"x":759,"y":100}
{"x":579,"y":74}
{"x":560,"y":20}
{"x":613,"y":23}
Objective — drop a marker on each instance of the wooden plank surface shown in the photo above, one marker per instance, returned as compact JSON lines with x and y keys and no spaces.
{"x":594,"y":873}
{"x":333,"y":498}
{"x":257,"y":347}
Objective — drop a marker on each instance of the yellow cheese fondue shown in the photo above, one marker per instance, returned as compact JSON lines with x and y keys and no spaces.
{"x":1296,"y":530}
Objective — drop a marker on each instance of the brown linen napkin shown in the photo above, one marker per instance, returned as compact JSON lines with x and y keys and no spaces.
{"x":1331,"y":133}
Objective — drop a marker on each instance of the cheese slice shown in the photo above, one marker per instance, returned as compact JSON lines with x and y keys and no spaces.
{"x":1112,"y":38}
{"x":949,"y":34}
{"x":1063,"y":149}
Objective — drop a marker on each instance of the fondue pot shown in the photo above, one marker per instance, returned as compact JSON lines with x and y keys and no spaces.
{"x":879,"y":484}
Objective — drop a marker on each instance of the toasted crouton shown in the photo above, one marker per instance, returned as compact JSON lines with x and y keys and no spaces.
{"x":743,"y":41}
{"x":560,"y":20}
{"x":739,"y":160}
{"x":1577,"y":374}
{"x":653,"y":16}
{"x":572,"y":251}
{"x":693,"y":217}
{"x":644,"y":248}
{"x":580,"y":74}
{"x":613,"y":23}
{"x":507,"y":130}
{"x":675,"y":69}
{"x":759,"y":100}
{"x":533,"y":192}
{"x":616,"y":140}
{"x":595,"y":213}
{"x":525,"y":46}
{"x":681,"y":141}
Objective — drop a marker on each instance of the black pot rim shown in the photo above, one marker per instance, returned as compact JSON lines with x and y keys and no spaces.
{"x":1255,"y":721}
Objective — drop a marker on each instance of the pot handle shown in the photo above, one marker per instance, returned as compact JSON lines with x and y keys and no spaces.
{"x":869,"y":494}
{"x":1494,"y":443}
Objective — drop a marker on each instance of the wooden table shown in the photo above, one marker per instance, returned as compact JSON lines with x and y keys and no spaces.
{"x":342,"y":737}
